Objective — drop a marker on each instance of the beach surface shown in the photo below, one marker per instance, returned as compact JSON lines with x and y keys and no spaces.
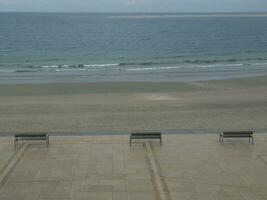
{"x":135,"y":106}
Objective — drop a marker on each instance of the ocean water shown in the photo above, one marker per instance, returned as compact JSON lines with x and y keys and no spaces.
{"x":83,"y":47}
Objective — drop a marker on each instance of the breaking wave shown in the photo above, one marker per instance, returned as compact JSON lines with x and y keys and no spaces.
{"x":142,"y":66}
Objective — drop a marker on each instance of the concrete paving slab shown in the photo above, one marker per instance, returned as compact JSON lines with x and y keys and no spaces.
{"x":197,"y":167}
{"x":192,"y":167}
{"x":82,"y":170}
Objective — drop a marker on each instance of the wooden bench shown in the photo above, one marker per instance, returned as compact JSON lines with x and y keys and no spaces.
{"x":237,"y":134}
{"x":42,"y":136}
{"x":145,"y":135}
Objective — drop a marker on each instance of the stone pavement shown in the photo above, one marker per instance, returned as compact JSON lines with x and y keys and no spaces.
{"x":189,"y":166}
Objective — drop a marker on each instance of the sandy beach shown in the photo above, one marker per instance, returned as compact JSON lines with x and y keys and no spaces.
{"x":132,"y":106}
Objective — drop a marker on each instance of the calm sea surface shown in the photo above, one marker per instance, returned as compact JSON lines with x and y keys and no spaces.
{"x":65,"y":47}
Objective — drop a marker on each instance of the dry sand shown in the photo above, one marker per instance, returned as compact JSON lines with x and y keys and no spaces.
{"x":130,"y":106}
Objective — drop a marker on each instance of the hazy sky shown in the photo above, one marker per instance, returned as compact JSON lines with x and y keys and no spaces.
{"x":135,"y":5}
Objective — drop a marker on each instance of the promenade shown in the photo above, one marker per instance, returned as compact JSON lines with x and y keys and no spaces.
{"x":185,"y":167}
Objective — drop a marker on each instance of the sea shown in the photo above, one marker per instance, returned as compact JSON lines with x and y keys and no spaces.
{"x":97,"y":47}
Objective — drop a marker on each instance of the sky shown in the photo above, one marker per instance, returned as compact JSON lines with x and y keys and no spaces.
{"x":134,"y":5}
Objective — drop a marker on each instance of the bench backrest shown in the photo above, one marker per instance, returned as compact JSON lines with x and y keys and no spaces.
{"x":146,"y":134}
{"x":237,"y":133}
{"x":30,"y":135}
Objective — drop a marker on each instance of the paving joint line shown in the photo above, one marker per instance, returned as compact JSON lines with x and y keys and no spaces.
{"x":12,"y":164}
{"x":154,"y":183}
{"x":165,"y":186}
{"x":263,"y":160}
{"x":157,"y":176}
{"x":8,"y":161}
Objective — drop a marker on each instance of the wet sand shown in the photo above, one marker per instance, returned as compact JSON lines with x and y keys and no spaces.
{"x":133,"y":106}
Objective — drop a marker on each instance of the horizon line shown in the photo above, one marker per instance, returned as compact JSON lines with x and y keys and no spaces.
{"x":149,"y":12}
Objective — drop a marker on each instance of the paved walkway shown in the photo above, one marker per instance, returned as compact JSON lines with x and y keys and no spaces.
{"x":106,"y":167}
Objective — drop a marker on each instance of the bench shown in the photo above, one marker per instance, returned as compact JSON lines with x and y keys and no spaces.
{"x":145,"y":135}
{"x":237,"y":134}
{"x":23,"y":136}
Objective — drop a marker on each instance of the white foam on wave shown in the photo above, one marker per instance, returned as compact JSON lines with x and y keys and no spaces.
{"x":260,"y":64}
{"x":170,"y":67}
{"x":142,"y":69}
{"x":152,"y":68}
{"x":218,"y":65}
{"x":187,"y":66}
{"x":69,"y":70}
{"x":101,"y":65}
{"x":80,"y":67}
{"x":49,"y":66}
{"x":7,"y":71}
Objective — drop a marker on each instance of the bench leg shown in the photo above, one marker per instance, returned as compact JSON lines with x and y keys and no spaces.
{"x":16,"y":143}
{"x":47,"y":140}
{"x":130,"y":141}
{"x":160,"y":140}
{"x":221,"y":139}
